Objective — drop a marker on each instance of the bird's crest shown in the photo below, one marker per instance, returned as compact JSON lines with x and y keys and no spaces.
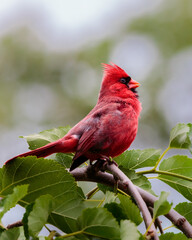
{"x":112,"y":69}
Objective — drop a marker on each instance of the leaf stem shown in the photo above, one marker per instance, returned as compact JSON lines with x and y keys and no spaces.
{"x":151,"y":171}
{"x":147,"y":171}
{"x":52,"y":234}
{"x":92,"y":192}
{"x":48,"y":228}
{"x":174,"y":175}
{"x":72,"y":234}
{"x":164,"y":229}
{"x":154,"y":169}
{"x":155,"y":177}
{"x":1,"y":225}
{"x":124,"y":193}
{"x":145,"y":234}
{"x":101,"y":202}
{"x":93,"y":200}
{"x":162,"y":155}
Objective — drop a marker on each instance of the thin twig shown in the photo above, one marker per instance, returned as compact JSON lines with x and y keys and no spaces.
{"x":16,"y":224}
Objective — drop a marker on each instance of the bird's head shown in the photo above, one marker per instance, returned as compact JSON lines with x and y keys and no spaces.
{"x":117,"y":82}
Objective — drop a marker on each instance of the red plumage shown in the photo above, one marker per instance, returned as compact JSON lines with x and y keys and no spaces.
{"x":109,"y":129}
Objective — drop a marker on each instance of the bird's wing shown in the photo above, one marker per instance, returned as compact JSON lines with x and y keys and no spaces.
{"x":94,"y":121}
{"x":85,"y":142}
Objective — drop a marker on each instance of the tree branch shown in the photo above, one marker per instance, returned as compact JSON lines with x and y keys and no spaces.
{"x":117,"y":173}
{"x":82,"y":174}
{"x":177,"y":219}
{"x":16,"y":224}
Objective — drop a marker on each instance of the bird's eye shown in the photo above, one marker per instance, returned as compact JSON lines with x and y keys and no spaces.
{"x":123,"y":80}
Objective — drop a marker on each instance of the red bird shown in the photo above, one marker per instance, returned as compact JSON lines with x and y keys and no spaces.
{"x":109,"y":129}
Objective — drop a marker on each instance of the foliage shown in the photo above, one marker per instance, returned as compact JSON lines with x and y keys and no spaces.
{"x":51,"y":195}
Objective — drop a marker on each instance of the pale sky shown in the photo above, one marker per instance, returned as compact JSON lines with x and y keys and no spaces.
{"x":60,"y":22}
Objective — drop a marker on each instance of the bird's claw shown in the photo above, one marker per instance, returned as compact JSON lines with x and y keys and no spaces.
{"x":101,"y":164}
{"x":108,"y":160}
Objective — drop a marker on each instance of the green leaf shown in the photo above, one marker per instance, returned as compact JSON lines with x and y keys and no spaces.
{"x":66,"y":224}
{"x":173,"y":236}
{"x":116,"y":210}
{"x":45,"y":137}
{"x":42,"y":238}
{"x":181,"y":136}
{"x":44,"y":177}
{"x":134,"y":159}
{"x":38,"y":216}
{"x":98,"y":222}
{"x":161,"y":206}
{"x":181,"y":166}
{"x":64,"y":159}
{"x":75,"y":238}
{"x":29,"y":208}
{"x":190,"y":137}
{"x":2,"y":229}
{"x":128,"y":231}
{"x":12,"y":199}
{"x":130,"y":209}
{"x":104,"y":188}
{"x":185,"y":209}
{"x":142,"y":237}
{"x":138,"y":179}
{"x":12,"y":234}
{"x":21,"y":235}
{"x":109,"y":197}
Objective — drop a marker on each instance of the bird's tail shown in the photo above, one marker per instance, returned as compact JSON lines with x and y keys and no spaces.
{"x":39,"y":152}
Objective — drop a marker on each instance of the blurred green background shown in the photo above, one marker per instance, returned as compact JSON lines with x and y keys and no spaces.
{"x":50,"y":63}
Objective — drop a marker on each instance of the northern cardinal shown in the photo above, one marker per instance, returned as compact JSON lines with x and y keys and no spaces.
{"x":110,"y":127}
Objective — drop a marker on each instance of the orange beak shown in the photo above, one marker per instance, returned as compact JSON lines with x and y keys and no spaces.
{"x":133,"y":84}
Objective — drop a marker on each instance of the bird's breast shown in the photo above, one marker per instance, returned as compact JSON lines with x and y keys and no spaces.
{"x":116,"y":132}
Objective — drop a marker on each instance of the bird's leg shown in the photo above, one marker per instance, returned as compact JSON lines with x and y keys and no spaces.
{"x":102,"y":166}
{"x":99,"y":165}
{"x":102,"y":162}
{"x":106,"y":160}
{"x":110,"y":161}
